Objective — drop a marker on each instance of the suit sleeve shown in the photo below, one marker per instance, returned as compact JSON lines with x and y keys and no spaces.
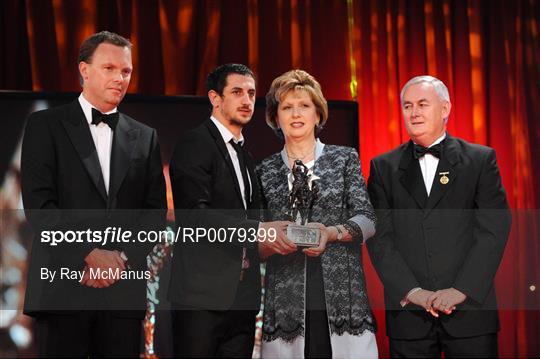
{"x":491,"y":230}
{"x":40,"y":193}
{"x":154,"y":210}
{"x":192,"y":182}
{"x":395,"y":274}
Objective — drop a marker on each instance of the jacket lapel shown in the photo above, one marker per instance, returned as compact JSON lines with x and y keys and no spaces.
{"x":79,"y":133}
{"x":411,"y":177}
{"x":446,"y":168}
{"x":124,"y":141}
{"x":255,"y":201}
{"x":225,"y":153}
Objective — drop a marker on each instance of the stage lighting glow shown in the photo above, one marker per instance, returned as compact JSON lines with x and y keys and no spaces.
{"x":20,"y":335}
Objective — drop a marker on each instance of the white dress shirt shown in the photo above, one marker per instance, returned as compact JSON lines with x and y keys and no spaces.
{"x":227,"y":137}
{"x":428,"y":165}
{"x":102,"y":136}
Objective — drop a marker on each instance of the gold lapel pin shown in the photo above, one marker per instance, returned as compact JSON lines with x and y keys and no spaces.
{"x":444,"y":179}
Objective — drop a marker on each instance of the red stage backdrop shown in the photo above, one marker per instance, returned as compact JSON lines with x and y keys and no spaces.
{"x":486,"y":51}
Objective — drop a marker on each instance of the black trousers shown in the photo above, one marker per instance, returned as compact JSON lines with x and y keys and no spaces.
{"x":94,"y":334}
{"x":213,"y":334}
{"x":439,"y":341}
{"x":216,"y":333}
{"x":317,"y":339}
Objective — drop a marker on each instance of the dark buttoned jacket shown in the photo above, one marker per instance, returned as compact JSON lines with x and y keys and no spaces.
{"x":455,"y":237}
{"x":206,"y":269}
{"x":63,"y":190}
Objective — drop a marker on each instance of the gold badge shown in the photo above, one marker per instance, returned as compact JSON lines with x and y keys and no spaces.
{"x":444,"y":179}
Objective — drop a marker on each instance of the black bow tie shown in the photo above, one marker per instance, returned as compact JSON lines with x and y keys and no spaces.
{"x":420,"y":151}
{"x":111,"y":119}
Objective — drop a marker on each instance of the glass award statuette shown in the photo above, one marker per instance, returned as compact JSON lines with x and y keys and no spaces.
{"x":303,"y":194}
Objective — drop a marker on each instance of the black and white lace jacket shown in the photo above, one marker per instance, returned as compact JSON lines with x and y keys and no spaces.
{"x":342,"y":199}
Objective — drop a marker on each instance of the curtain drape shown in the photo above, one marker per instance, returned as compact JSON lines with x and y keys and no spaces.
{"x":486,"y":51}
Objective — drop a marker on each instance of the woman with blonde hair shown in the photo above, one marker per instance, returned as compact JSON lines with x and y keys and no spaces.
{"x":315,"y":299}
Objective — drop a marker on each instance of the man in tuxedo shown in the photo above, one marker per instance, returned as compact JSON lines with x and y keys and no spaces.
{"x":215,"y":286}
{"x":443,"y":223}
{"x":85,"y":166}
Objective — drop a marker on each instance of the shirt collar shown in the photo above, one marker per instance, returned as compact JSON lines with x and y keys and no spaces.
{"x":437,"y":141}
{"x":225,"y":133}
{"x":87,"y":108}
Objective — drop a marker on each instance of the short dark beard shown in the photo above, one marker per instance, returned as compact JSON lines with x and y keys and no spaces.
{"x":239,"y":122}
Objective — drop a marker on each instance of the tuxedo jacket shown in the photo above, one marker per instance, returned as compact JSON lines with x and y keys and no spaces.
{"x":455,"y":237}
{"x":205,"y":273}
{"x":63,"y":190}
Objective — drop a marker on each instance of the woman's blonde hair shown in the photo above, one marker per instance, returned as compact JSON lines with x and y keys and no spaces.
{"x":295,"y":80}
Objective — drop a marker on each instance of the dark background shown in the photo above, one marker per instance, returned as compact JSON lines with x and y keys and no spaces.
{"x":170,"y":116}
